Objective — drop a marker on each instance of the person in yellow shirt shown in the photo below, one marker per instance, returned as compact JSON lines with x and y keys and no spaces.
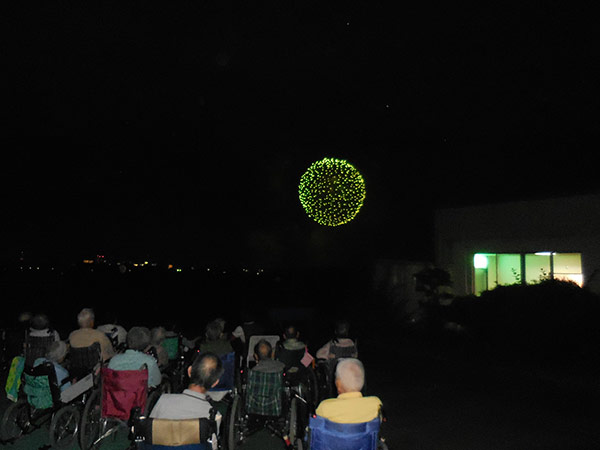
{"x":350,"y":406}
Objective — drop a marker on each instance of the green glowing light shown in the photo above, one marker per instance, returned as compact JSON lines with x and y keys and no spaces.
{"x":332,"y":191}
{"x":480,"y":261}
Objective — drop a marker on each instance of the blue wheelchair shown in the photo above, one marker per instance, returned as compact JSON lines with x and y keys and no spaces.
{"x":324,"y":434}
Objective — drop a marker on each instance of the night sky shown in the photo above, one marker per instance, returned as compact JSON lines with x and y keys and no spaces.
{"x":181,"y":129}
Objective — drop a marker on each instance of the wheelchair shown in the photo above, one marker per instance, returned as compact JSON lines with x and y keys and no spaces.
{"x":35,"y":347}
{"x":324,"y":434}
{"x":110,"y":406}
{"x":228,"y":380}
{"x":264,"y":400}
{"x":302,"y":378}
{"x":175,"y":377}
{"x":41,"y":402}
{"x":165,"y":434}
{"x":325,"y":369}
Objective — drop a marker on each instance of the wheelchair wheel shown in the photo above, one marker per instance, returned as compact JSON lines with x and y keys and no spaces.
{"x":324,"y":382}
{"x":166,"y":386}
{"x":90,"y":421}
{"x":234,"y":423}
{"x":152,"y":400}
{"x":313,"y":390}
{"x":15,"y":421}
{"x":381,"y":445}
{"x":64,"y":427}
{"x":293,"y":419}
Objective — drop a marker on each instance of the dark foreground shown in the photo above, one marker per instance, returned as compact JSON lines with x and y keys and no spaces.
{"x":453,"y":398}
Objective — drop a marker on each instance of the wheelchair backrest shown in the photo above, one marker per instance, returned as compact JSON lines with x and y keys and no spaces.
{"x":339,"y":351}
{"x":264,"y":393}
{"x":122,"y":391}
{"x":226,"y":381}
{"x":36,"y":347}
{"x":82,"y":360}
{"x":291,"y":358}
{"x":188,"y":434}
{"x":171,"y":343}
{"x":327,"y":435}
{"x":271,"y":338}
{"x":40,"y":386}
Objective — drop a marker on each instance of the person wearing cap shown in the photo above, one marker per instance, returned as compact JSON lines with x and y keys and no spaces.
{"x":56,"y":354}
{"x":39,"y":326}
{"x":138,"y":339}
{"x":350,"y":406}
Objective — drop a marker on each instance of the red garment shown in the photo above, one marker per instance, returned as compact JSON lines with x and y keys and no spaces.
{"x":123,"y":390}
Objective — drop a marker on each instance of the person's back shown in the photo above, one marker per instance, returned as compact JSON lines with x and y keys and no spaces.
{"x":193,"y":402}
{"x":40,"y":327}
{"x":56,"y":355}
{"x":138,"y":338}
{"x":350,"y":406}
{"x":341,"y":346}
{"x":156,"y":347}
{"x":214,"y":341}
{"x":291,"y":350}
{"x":265,"y":382}
{"x":87,"y":335}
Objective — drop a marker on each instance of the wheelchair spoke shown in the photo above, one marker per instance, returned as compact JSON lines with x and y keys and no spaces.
{"x":64,"y":427}
{"x":90,"y":422}
{"x":14,"y":421}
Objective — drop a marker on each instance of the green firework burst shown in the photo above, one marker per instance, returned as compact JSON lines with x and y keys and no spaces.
{"x":332,"y":191}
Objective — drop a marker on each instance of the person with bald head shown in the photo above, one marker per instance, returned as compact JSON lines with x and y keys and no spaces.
{"x":350,"y":406}
{"x":192,"y":403}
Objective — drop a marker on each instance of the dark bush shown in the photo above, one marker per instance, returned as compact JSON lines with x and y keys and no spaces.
{"x":553,"y":321}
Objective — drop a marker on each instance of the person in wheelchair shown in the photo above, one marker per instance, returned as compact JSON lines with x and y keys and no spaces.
{"x":156,"y":347}
{"x":341,"y":346}
{"x":192,"y":403}
{"x":263,"y":355}
{"x":291,"y":349}
{"x":40,"y":327}
{"x":86,"y":335}
{"x":263,"y":402}
{"x":350,"y":406}
{"x":138,"y":339}
{"x":56,"y":354}
{"x":214,"y":340}
{"x":292,"y":352}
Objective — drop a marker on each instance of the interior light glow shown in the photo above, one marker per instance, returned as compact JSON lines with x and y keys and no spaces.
{"x":480,"y":261}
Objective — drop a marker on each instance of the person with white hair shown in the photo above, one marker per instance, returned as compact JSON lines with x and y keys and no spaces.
{"x":138,"y":339}
{"x":350,"y":406}
{"x":56,"y":354}
{"x":86,"y":335}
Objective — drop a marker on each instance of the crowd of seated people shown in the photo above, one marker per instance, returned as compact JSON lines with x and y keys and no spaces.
{"x":144,"y":349}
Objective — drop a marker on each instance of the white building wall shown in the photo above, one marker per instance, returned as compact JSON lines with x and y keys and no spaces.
{"x":566,"y":224}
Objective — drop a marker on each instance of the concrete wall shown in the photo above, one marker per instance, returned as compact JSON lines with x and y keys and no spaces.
{"x":565,"y":224}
